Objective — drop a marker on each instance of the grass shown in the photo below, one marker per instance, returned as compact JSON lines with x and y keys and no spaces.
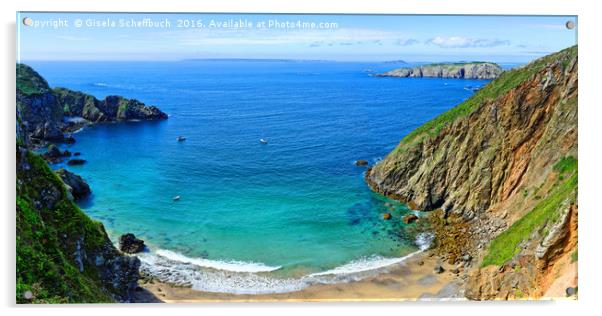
{"x":29,"y":82}
{"x":574,"y":256}
{"x":505,"y":246}
{"x":566,"y":164}
{"x":504,"y":83}
{"x":46,"y":241}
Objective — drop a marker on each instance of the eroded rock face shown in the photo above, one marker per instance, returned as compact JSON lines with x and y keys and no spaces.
{"x":490,"y":165}
{"x":485,"y":157}
{"x":112,"y":108}
{"x":475,"y":70}
{"x":75,"y":184}
{"x":524,"y":276}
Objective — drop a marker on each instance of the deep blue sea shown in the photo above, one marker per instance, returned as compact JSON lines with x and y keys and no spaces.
{"x":252,"y":218}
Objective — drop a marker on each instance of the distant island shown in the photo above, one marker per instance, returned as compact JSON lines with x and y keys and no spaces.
{"x":463,"y":70}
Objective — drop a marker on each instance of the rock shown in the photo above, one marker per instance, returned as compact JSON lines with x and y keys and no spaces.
{"x":361,"y":162}
{"x":52,"y":153}
{"x":455,"y":271}
{"x":387,"y":216}
{"x":484,"y":169}
{"x":69,"y":140}
{"x":410,"y":218}
{"x":438,"y":269}
{"x":112,"y":108}
{"x":471,"y":70}
{"x":466,"y":258}
{"x":128,"y":243}
{"x":76,"y":185}
{"x":76,"y":162}
{"x":77,"y":153}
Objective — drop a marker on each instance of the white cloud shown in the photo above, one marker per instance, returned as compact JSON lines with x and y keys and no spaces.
{"x":465,"y":42}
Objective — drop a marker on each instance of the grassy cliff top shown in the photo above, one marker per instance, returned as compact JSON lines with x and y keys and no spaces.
{"x":504,"y":83}
{"x":29,"y":82}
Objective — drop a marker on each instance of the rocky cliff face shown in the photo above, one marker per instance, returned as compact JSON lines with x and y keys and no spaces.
{"x":475,"y":70}
{"x":497,"y":162}
{"x":112,"y":108}
{"x":43,"y":110}
{"x":62,"y":255}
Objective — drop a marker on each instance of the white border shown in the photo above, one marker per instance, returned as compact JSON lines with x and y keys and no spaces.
{"x":589,"y":153}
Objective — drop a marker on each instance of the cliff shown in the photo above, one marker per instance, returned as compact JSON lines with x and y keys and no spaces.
{"x":502,"y":167}
{"x":473,"y":70}
{"x":62,"y":255}
{"x":43,"y":110}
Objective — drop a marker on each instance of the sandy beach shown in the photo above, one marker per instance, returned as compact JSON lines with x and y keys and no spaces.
{"x":413,"y":279}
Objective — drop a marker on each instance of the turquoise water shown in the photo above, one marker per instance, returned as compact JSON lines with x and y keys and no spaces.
{"x":265,"y":216}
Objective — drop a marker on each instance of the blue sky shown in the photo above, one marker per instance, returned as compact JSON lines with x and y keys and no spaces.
{"x":127,"y":36}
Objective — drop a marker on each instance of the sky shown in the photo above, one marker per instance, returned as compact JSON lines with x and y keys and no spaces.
{"x":413,"y":38}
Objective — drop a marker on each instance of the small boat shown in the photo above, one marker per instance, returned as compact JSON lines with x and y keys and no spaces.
{"x":263,"y":141}
{"x":176,"y":198}
{"x":180,"y":138}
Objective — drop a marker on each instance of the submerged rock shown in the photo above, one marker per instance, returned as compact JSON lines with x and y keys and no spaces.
{"x":76,"y":162}
{"x":361,"y":162}
{"x":387,"y":216}
{"x":128,"y":243}
{"x":76,"y":185}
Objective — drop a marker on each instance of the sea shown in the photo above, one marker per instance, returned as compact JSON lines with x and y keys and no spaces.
{"x":222,"y":211}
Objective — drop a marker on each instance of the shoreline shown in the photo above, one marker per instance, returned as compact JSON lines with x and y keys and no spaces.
{"x":411,"y":280}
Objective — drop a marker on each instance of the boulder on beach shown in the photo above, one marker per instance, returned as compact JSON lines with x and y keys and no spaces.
{"x":410,"y":218}
{"x":75,"y":184}
{"x":128,"y":243}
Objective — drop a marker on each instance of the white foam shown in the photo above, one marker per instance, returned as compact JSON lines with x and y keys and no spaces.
{"x":217,"y":281}
{"x":232,"y":265}
{"x":238,"y":277}
{"x":364,"y":264}
{"x":424,"y":240}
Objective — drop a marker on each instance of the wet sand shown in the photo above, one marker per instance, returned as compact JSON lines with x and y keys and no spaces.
{"x":413,"y":279}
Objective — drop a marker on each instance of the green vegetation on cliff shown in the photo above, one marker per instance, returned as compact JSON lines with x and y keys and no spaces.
{"x":47,"y":239}
{"x":505,"y":246}
{"x":504,"y":83}
{"x":29,"y":82}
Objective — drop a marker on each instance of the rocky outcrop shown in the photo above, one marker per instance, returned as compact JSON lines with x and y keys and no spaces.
{"x":40,"y":113}
{"x":112,"y":108}
{"x":54,"y":155}
{"x":501,"y":141}
{"x":74,"y":183}
{"x":128,"y":243}
{"x":473,"y":70}
{"x":44,"y":112}
{"x":492,"y":162}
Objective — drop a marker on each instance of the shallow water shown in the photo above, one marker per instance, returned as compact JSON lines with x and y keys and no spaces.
{"x":295,"y":207}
